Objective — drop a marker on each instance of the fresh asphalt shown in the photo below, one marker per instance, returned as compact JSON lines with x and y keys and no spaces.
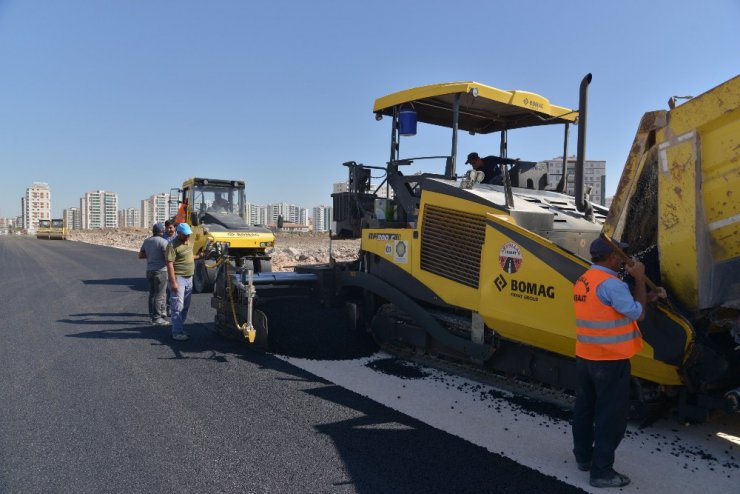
{"x":95,"y":399}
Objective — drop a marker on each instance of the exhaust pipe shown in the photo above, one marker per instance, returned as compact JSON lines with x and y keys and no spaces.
{"x":581,"y":150}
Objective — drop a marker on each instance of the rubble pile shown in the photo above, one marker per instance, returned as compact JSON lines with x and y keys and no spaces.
{"x":290,"y":248}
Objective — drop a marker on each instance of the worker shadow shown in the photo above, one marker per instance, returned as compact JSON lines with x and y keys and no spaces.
{"x":203,"y":344}
{"x":94,"y":318}
{"x":138,"y":284}
{"x":109,"y":314}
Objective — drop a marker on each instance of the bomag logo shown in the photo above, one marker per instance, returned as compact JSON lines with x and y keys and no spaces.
{"x":242,"y":234}
{"x":529,"y":290}
{"x":533,"y":104}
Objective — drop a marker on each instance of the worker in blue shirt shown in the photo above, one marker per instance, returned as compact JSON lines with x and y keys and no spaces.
{"x":607,"y":336}
{"x":490,"y":166}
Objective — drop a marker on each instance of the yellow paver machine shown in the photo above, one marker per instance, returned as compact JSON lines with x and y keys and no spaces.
{"x":484,"y":273}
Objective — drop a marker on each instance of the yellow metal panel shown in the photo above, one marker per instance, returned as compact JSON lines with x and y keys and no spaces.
{"x":235,"y":239}
{"x":677,"y":223}
{"x":394,"y":246}
{"x":715,"y":118}
{"x":523,"y":99}
{"x":522,"y":297}
{"x":450,"y":291}
{"x":720,"y":153}
{"x":705,"y":110}
{"x":534,"y":303}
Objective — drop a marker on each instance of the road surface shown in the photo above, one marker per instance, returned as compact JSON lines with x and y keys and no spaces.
{"x":95,"y":399}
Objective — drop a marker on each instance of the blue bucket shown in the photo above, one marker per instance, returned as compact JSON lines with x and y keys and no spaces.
{"x":407,"y":122}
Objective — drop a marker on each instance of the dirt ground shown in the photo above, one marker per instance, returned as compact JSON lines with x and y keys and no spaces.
{"x":290,"y":248}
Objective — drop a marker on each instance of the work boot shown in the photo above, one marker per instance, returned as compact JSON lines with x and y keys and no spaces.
{"x":584,"y":466}
{"x":614,"y":480}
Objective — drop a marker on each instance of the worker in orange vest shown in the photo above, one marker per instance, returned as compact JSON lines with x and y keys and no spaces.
{"x":607,"y":336}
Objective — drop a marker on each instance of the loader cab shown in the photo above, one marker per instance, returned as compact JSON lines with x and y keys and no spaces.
{"x":215,"y":201}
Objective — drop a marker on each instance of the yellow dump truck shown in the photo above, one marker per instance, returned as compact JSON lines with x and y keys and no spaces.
{"x":678,"y":205}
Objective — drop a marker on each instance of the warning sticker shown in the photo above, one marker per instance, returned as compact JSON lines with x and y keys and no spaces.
{"x":401,"y":252}
{"x":510,"y":257}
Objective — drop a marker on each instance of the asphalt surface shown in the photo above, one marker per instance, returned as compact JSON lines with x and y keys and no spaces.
{"x":94,"y":399}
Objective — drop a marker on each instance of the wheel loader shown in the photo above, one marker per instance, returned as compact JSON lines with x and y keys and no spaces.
{"x":215,"y":209}
{"x":484,"y":273}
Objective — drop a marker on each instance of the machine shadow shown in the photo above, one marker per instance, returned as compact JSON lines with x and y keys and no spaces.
{"x":138,"y":284}
{"x":204,"y":343}
{"x":383,"y":449}
{"x":110,"y":314}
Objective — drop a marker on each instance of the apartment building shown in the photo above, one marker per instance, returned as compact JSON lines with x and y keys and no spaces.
{"x":156,"y":209}
{"x":6,"y":225}
{"x":129,"y":217}
{"x":322,"y":218}
{"x":594,"y":176}
{"x":290,"y":213}
{"x":36,"y":205}
{"x":99,"y":209}
{"x":72,"y":218}
{"x":384,"y":192}
{"x":256,"y":214}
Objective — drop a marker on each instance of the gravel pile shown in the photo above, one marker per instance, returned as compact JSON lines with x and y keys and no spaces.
{"x":290,"y":248}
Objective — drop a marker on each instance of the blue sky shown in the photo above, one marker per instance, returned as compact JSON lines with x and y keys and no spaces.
{"x":134,"y":96}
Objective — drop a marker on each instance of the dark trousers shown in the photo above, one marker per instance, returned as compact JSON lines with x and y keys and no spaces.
{"x":600,"y":412}
{"x":157,"y":286}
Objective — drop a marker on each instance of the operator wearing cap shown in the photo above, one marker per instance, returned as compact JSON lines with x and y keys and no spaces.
{"x":607,"y":336}
{"x":180,"y":266}
{"x":490,"y":166}
{"x":153,"y":250}
{"x":220,"y":205}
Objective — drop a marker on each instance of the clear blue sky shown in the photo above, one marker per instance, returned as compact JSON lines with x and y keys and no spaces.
{"x":133,"y":96}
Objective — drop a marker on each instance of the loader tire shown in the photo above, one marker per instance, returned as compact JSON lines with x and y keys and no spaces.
{"x":203,"y":278}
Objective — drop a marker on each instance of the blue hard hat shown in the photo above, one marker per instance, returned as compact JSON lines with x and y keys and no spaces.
{"x":184,"y":228}
{"x":601,"y":248}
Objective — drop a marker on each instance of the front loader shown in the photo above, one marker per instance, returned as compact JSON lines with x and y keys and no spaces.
{"x":216,"y":211}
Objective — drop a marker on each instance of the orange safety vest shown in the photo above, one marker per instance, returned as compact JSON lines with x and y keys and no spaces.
{"x":182,"y":215}
{"x":602,"y":333}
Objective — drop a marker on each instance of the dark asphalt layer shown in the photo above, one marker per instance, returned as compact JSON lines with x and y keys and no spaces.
{"x":94,"y":399}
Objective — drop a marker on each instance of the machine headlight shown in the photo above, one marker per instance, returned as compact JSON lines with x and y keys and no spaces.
{"x":265,"y":244}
